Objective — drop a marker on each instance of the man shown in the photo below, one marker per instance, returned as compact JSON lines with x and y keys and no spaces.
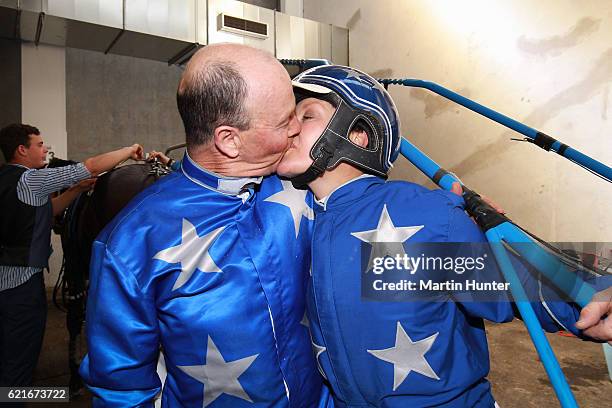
{"x":427,"y":349}
{"x":25,"y":234}
{"x":211,"y":261}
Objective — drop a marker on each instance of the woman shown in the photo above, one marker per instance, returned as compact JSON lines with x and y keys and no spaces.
{"x":417,"y":353}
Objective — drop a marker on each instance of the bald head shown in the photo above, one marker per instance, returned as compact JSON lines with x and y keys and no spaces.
{"x":221,"y":85}
{"x":242,"y":57}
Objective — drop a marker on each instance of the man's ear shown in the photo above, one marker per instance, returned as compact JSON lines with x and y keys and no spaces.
{"x":227,"y":140}
{"x":21,"y":151}
{"x":359,"y":137}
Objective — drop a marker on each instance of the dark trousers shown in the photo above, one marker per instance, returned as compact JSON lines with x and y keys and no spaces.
{"x":23,"y":314}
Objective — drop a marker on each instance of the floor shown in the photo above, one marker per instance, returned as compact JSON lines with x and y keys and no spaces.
{"x":518,"y":378}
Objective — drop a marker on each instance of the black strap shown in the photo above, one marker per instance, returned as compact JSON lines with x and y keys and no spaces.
{"x":544,"y":141}
{"x":318,"y":166}
{"x":439,"y":174}
{"x":562,"y":149}
{"x":485,"y":216}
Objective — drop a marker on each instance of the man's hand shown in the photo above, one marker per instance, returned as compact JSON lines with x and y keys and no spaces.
{"x":83,"y":185}
{"x":456,"y":188}
{"x":591,"y":322}
{"x":159,"y":156}
{"x":63,"y":200}
{"x":104,"y":162}
{"x":137,"y":152}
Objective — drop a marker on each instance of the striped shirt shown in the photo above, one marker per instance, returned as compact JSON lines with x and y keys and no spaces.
{"x":34,"y":188}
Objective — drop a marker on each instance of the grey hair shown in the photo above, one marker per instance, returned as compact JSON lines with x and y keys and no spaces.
{"x":215,"y":96}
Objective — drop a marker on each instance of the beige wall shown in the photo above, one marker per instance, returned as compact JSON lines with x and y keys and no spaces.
{"x":292,"y":7}
{"x":43,"y":99}
{"x":43,"y":76}
{"x":547,"y":63}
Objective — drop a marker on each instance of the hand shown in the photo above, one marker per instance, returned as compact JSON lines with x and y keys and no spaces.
{"x":591,"y":322}
{"x":456,"y":188}
{"x":159,"y":156}
{"x":83,"y":185}
{"x":137,"y":152}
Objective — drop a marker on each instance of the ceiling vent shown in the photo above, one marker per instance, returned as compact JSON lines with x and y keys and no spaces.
{"x":242,"y":26}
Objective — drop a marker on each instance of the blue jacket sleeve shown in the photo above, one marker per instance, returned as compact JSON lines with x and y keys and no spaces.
{"x":122,"y":336}
{"x":552,"y":313}
{"x":564,"y":314}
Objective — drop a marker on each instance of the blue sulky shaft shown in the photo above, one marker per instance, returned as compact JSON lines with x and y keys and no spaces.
{"x":544,"y":141}
{"x":546,"y":263}
{"x":429,"y":167}
{"x":545,"y":351}
{"x":570,"y":283}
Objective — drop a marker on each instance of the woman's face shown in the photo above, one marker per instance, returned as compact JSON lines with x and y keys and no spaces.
{"x":314,"y":115}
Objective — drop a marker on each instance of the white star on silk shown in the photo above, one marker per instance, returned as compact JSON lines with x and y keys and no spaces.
{"x":386,"y":239}
{"x":295,"y":200}
{"x":219,"y":376}
{"x":407,"y":356}
{"x":192,"y":253}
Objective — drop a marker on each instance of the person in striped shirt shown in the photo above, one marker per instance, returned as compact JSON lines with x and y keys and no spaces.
{"x":25,"y":235}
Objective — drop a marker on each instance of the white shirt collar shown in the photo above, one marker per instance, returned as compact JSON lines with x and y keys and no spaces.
{"x":323,"y":201}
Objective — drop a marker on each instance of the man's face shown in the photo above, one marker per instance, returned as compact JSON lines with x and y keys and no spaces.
{"x":314,"y":116}
{"x":273,"y":124}
{"x":35,"y":153}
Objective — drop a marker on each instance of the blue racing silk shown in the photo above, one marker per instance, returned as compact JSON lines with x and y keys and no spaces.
{"x":213,"y":270}
{"x":411,"y":353}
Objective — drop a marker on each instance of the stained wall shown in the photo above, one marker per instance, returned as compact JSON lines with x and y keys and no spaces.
{"x":546,"y":63}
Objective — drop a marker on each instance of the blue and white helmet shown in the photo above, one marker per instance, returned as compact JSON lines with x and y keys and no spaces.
{"x":360,"y":101}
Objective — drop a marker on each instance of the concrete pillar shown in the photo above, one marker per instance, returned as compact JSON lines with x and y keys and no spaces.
{"x":43,"y":97}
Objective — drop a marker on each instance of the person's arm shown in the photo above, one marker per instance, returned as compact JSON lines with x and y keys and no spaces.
{"x":593,"y":320}
{"x":35,"y":185}
{"x":159,"y":156}
{"x":165,"y":160}
{"x":122,"y":335}
{"x":552,"y":313}
{"x":596,"y":317}
{"x":63,"y":200}
{"x":106,"y":161}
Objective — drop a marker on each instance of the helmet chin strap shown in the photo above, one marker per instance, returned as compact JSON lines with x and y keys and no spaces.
{"x":324,"y":153}
{"x":316,"y":169}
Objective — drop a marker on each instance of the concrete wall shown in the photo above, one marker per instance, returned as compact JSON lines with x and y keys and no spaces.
{"x":547,"y":63}
{"x":114,"y":101}
{"x":86,"y":103}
